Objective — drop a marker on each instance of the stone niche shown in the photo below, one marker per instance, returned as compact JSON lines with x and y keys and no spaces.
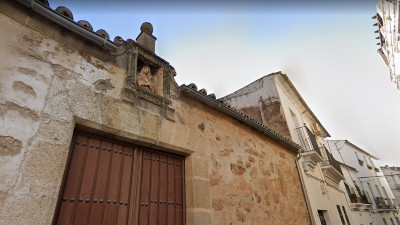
{"x":149,"y":76}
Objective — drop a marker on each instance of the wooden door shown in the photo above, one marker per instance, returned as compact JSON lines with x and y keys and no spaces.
{"x":162,"y":191}
{"x":106,"y":180}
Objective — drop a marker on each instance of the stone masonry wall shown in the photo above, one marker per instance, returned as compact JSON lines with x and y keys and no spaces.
{"x":53,"y":82}
{"x":252,"y":179}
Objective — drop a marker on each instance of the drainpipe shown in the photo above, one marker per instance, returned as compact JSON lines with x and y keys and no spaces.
{"x":304,"y":190}
{"x":68,"y":24}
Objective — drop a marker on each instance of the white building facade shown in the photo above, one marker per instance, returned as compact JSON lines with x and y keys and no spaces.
{"x":392,"y":175}
{"x":368,"y":192}
{"x":387,"y":22}
{"x":274,"y":101}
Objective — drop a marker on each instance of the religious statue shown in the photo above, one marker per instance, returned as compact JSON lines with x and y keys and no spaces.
{"x":147,"y":80}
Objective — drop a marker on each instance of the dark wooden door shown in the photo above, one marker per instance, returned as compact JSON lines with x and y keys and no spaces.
{"x":109,"y":182}
{"x":161,"y":199}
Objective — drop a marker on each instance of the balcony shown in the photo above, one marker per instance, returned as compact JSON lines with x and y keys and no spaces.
{"x":310,"y":150}
{"x":331,"y":168}
{"x":359,"y":203}
{"x":384,"y":204}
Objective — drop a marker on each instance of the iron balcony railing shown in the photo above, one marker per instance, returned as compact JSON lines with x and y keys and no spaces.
{"x":332,"y":161}
{"x":384,"y":203}
{"x":381,"y":203}
{"x":307,"y":140}
{"x":390,"y":203}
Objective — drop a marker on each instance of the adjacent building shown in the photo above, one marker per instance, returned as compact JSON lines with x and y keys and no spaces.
{"x":392,"y":175}
{"x":387,"y":23}
{"x":369,"y":194}
{"x":274,"y":101}
{"x":94,"y":131}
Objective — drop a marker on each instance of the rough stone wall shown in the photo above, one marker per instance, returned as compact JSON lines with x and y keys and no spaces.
{"x":53,"y":82}
{"x":252,"y":179}
{"x":45,"y":86}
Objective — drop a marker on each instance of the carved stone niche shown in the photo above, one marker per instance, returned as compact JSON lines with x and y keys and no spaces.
{"x":149,"y":77}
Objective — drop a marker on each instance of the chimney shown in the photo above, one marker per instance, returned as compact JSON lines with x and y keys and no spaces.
{"x":146,"y":38}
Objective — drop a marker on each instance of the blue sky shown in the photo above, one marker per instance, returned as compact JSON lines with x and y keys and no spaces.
{"x":327,"y":48}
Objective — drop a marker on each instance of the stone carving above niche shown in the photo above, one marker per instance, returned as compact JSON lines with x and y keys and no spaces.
{"x":149,"y":81}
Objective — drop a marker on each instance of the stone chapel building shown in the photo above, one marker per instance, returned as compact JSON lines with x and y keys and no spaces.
{"x":94,"y":131}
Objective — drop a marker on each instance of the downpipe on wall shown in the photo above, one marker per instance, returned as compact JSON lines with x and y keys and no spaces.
{"x":309,"y":209}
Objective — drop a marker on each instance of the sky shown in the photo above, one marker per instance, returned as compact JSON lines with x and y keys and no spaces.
{"x":327,"y":48}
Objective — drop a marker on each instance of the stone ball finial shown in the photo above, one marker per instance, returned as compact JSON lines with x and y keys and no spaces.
{"x":147,"y":27}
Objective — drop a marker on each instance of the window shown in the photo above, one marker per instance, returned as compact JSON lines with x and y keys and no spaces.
{"x":384,"y":221}
{"x":378,"y":191}
{"x":357,"y":156}
{"x":340,"y":214}
{"x":391,"y":220}
{"x":345,"y":215}
{"x":322,"y":217}
{"x":397,"y":220}
{"x":358,"y":190}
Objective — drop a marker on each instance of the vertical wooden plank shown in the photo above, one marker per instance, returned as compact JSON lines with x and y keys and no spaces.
{"x":144,"y":190}
{"x":110,"y":211}
{"x":135,"y":187}
{"x":178,"y":192}
{"x":155,"y":177}
{"x":73,"y":179}
{"x":82,"y":209}
{"x":162,"y":201}
{"x":99,"y":192}
{"x":171,"y":191}
{"x":183,"y":192}
{"x":125,"y":186}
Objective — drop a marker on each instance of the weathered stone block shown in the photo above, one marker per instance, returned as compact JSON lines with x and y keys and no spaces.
{"x":198,"y":217}
{"x":39,"y":210}
{"x":200,"y":193}
{"x":129,"y":118}
{"x":196,"y":166}
{"x":109,"y":111}
{"x":83,"y":103}
{"x":149,"y":124}
{"x":58,"y":106}
{"x":44,"y":168}
{"x":55,"y":131}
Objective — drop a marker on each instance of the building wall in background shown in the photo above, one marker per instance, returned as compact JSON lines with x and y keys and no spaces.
{"x":369,"y":179}
{"x":321,"y":181}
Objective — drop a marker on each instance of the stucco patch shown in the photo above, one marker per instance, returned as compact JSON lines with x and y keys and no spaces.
{"x":252,"y":152}
{"x":240,"y":216}
{"x":237,"y":169}
{"x":225,"y":152}
{"x":89,"y":60}
{"x":9,"y":146}
{"x":103,"y":85}
{"x":20,"y":86}
{"x":201,"y":127}
{"x":23,"y":111}
{"x":218,"y":205}
{"x":26,"y":71}
{"x":251,"y":159}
